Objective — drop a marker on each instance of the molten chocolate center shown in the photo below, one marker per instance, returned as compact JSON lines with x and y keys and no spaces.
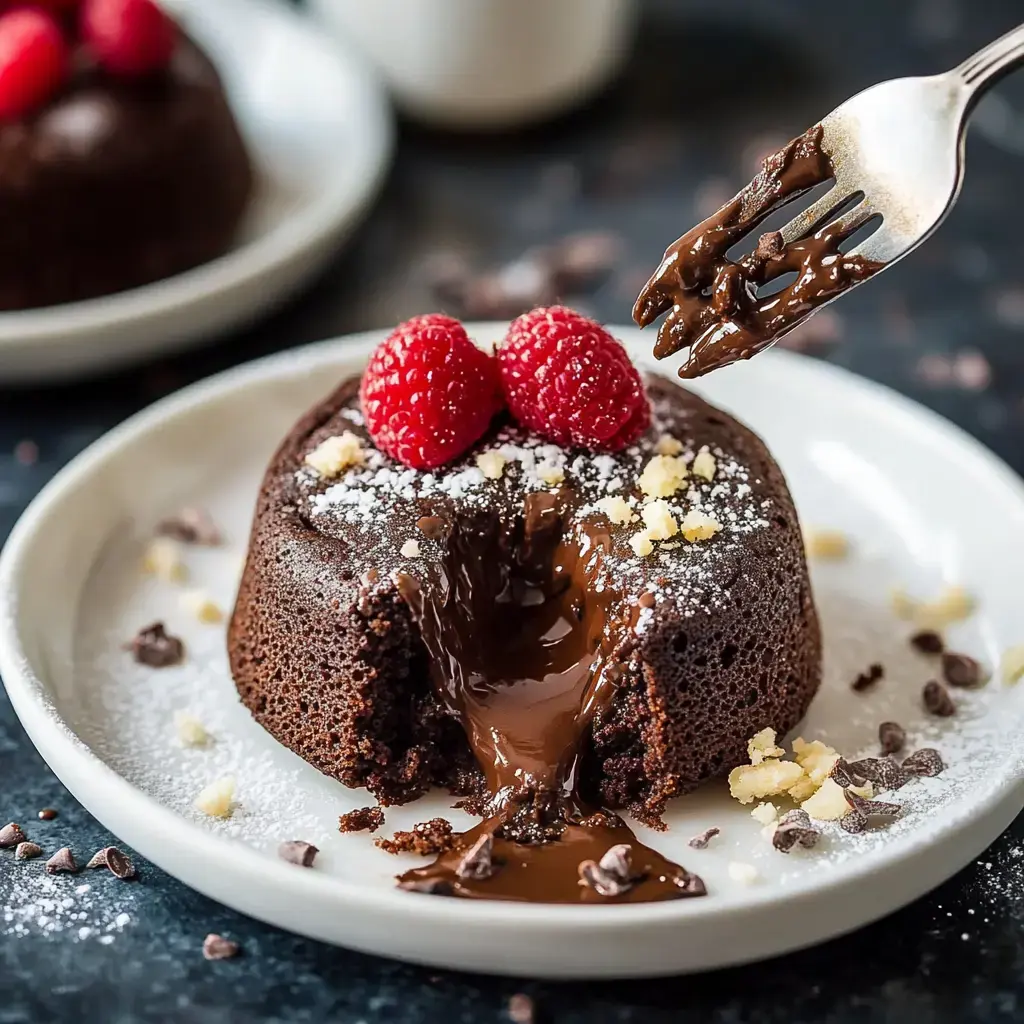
{"x":524,"y":637}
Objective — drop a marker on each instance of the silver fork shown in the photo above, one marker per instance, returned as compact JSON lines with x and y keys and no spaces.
{"x":901,"y":144}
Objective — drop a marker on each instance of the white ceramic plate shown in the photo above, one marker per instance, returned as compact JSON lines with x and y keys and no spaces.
{"x":924,"y":503}
{"x":320,"y":132}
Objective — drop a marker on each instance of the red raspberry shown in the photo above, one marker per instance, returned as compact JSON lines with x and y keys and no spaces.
{"x":566,"y":377}
{"x":128,"y":37}
{"x":429,"y":392}
{"x":33,"y":61}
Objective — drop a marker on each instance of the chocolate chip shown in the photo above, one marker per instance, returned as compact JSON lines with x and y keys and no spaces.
{"x":926,"y":761}
{"x":11,"y":835}
{"x":62,"y":862}
{"x":522,"y":1009}
{"x":937,"y":700}
{"x":853,"y":822}
{"x":961,"y":670}
{"x":27,"y":851}
{"x":612,"y":875}
{"x":928,"y":642}
{"x":47,"y":814}
{"x":155,"y":647}
{"x":216,"y":947}
{"x":843,"y":775}
{"x":891,"y":737}
{"x":298,"y":852}
{"x":869,"y":678}
{"x":191,"y":526}
{"x":871,"y":808}
{"x":431,"y":886}
{"x":884,"y":772}
{"x":794,"y":828}
{"x":647,"y":600}
{"x":689,"y":884}
{"x":478,"y":864}
{"x":432,"y":527}
{"x":112,"y":858}
{"x":701,"y":840}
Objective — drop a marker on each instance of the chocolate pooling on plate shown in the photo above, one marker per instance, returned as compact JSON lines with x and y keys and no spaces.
{"x":713,"y":302}
{"x":524,"y":648}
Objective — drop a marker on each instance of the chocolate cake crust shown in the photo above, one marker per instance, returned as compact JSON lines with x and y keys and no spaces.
{"x":328,"y":655}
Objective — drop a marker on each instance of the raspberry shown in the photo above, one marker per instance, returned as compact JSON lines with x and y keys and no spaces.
{"x":33,"y":61}
{"x":429,"y":392}
{"x":128,"y":37}
{"x":566,"y":377}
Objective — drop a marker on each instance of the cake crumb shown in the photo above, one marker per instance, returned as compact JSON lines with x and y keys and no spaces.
{"x":825,"y":544}
{"x":363,"y":819}
{"x":704,"y":464}
{"x":745,"y":874}
{"x":491,"y":464}
{"x":762,"y":745}
{"x":659,"y":520}
{"x":698,"y":525}
{"x":668,"y":445}
{"x":427,"y":839}
{"x":617,"y":510}
{"x":550,"y":473}
{"x":332,"y":456}
{"x":162,"y":559}
{"x":191,"y":732}
{"x":765,"y":813}
{"x":750,"y":782}
{"x":1013,"y":664}
{"x":217,"y":798}
{"x":202,"y":607}
{"x":663,"y":476}
{"x":411,"y":549}
{"x":641,"y":544}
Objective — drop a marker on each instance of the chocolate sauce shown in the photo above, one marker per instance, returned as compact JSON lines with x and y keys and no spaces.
{"x":712,"y":302}
{"x":524,"y":645}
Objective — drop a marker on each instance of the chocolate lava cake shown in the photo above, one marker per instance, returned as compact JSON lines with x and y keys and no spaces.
{"x":375,"y":607}
{"x":118,"y":182}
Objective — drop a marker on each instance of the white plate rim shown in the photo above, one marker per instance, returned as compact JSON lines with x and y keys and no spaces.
{"x":118,"y":804}
{"x":311,"y":234}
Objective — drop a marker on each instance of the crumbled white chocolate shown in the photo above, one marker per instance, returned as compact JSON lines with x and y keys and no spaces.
{"x":332,"y":456}
{"x":762,"y":745}
{"x":641,"y":544}
{"x":704,"y":464}
{"x":217,"y":798}
{"x":616,"y":509}
{"x":659,"y":520}
{"x":663,"y":476}
{"x":1013,"y":664}
{"x":668,"y":445}
{"x":828,"y":803}
{"x":491,"y":464}
{"x":411,"y":549}
{"x":200,"y":605}
{"x":953,"y":604}
{"x":698,"y":525}
{"x":191,"y":732}
{"x":750,"y":782}
{"x":162,"y":559}
{"x":827,"y":545}
{"x":550,"y":473}
{"x":817,"y":759}
{"x":745,"y":874}
{"x":765,"y":813}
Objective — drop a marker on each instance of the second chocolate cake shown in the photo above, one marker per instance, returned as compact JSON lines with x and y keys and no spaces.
{"x":552,"y":633}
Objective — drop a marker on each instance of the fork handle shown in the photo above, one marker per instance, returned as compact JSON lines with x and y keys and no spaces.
{"x":991,"y":62}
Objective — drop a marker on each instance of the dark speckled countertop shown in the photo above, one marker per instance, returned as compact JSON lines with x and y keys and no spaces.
{"x":674,"y":135}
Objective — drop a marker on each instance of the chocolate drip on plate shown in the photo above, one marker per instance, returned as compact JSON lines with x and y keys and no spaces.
{"x":712,"y":302}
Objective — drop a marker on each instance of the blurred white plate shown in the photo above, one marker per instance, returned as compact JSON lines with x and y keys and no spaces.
{"x":320,"y":132}
{"x":924,"y":504}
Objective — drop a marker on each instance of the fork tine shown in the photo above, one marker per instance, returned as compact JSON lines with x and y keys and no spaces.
{"x":803,"y":223}
{"x":845,"y":225}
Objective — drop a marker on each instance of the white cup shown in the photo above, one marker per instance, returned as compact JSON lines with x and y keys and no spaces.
{"x":487,"y":63}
